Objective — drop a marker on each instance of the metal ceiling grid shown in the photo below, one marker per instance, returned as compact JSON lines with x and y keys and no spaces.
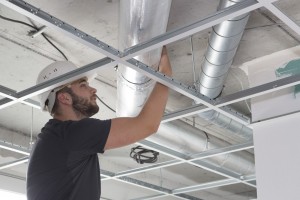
{"x":44,"y":18}
{"x":199,"y":162}
{"x":123,"y":176}
{"x":126,"y":58}
{"x":14,"y":163}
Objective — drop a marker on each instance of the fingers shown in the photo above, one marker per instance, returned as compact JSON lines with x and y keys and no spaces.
{"x":164,"y":65}
{"x":164,"y":51}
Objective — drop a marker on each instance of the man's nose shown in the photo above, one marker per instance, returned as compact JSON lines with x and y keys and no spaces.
{"x":94,"y":90}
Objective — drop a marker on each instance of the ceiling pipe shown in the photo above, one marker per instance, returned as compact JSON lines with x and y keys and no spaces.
{"x":239,"y":130}
{"x":186,"y":139}
{"x":222,"y":47}
{"x":141,"y":20}
{"x":223,"y":44}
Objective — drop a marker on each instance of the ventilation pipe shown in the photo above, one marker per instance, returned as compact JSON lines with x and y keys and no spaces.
{"x":222,"y":47}
{"x":188,"y":140}
{"x":141,"y":20}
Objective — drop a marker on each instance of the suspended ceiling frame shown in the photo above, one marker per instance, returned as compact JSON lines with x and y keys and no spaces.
{"x":114,"y":57}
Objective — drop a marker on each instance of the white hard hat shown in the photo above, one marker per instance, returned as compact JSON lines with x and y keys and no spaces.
{"x":52,"y":71}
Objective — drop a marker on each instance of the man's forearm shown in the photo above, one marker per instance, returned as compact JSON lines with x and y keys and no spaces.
{"x":154,"y":108}
{"x":128,"y":130}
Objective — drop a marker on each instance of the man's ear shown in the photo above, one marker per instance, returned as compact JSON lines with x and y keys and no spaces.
{"x":64,"y":98}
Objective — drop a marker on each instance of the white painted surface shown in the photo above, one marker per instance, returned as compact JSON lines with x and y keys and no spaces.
{"x":261,"y":71}
{"x":276,"y":155}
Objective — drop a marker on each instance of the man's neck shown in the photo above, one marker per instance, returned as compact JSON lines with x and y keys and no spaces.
{"x":69,"y":115}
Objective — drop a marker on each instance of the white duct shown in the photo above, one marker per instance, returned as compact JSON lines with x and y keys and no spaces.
{"x":141,"y":20}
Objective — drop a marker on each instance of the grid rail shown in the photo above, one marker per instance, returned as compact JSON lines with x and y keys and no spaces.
{"x":115,"y":56}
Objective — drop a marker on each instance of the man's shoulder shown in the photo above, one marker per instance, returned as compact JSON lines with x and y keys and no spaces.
{"x":53,"y":127}
{"x":60,"y":128}
{"x":92,"y":121}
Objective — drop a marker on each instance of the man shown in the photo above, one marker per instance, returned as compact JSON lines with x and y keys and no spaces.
{"x":64,"y":163}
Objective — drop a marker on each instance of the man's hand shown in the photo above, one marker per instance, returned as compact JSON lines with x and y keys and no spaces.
{"x":164,"y":65}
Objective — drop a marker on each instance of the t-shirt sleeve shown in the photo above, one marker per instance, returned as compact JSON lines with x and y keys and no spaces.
{"x":88,"y":135}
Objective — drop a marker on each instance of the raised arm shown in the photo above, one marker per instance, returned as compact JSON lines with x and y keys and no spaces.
{"x":128,"y":130}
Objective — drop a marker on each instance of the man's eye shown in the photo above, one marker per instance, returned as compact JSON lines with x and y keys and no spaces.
{"x":84,"y":84}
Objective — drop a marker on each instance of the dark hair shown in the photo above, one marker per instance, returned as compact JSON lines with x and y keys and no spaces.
{"x":55,"y":109}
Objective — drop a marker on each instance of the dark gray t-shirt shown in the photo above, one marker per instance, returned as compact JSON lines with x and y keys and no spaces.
{"x":64,"y":163}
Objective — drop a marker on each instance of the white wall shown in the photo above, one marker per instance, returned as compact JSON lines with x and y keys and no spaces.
{"x":261,"y":71}
{"x":277,"y":147}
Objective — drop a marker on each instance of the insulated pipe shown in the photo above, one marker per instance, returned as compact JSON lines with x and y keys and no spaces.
{"x":236,"y":128}
{"x":140,"y":20}
{"x":222,"y":47}
{"x":186,"y":139}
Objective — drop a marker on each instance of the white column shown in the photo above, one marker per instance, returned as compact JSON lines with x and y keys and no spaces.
{"x":277,"y":148}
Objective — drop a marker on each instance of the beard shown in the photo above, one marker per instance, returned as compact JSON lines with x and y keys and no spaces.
{"x":83,"y":106}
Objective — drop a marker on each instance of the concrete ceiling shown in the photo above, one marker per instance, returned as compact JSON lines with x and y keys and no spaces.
{"x":22,"y":57}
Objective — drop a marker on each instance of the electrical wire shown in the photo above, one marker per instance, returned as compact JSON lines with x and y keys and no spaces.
{"x":36,"y":29}
{"x":49,"y":41}
{"x":142,"y":155}
{"x":17,"y":21}
{"x":207,"y":141}
{"x":139,"y":155}
{"x":105,"y":104}
{"x":46,"y":38}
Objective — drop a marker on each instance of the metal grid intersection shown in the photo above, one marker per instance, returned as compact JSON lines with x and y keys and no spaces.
{"x":115,"y":56}
{"x":180,"y":159}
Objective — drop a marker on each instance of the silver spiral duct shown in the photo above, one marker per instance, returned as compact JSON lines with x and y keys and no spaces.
{"x":141,"y":20}
{"x":238,"y":129}
{"x":223,"y":44}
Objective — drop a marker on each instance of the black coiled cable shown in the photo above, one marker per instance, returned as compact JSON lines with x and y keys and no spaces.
{"x":142,"y":155}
